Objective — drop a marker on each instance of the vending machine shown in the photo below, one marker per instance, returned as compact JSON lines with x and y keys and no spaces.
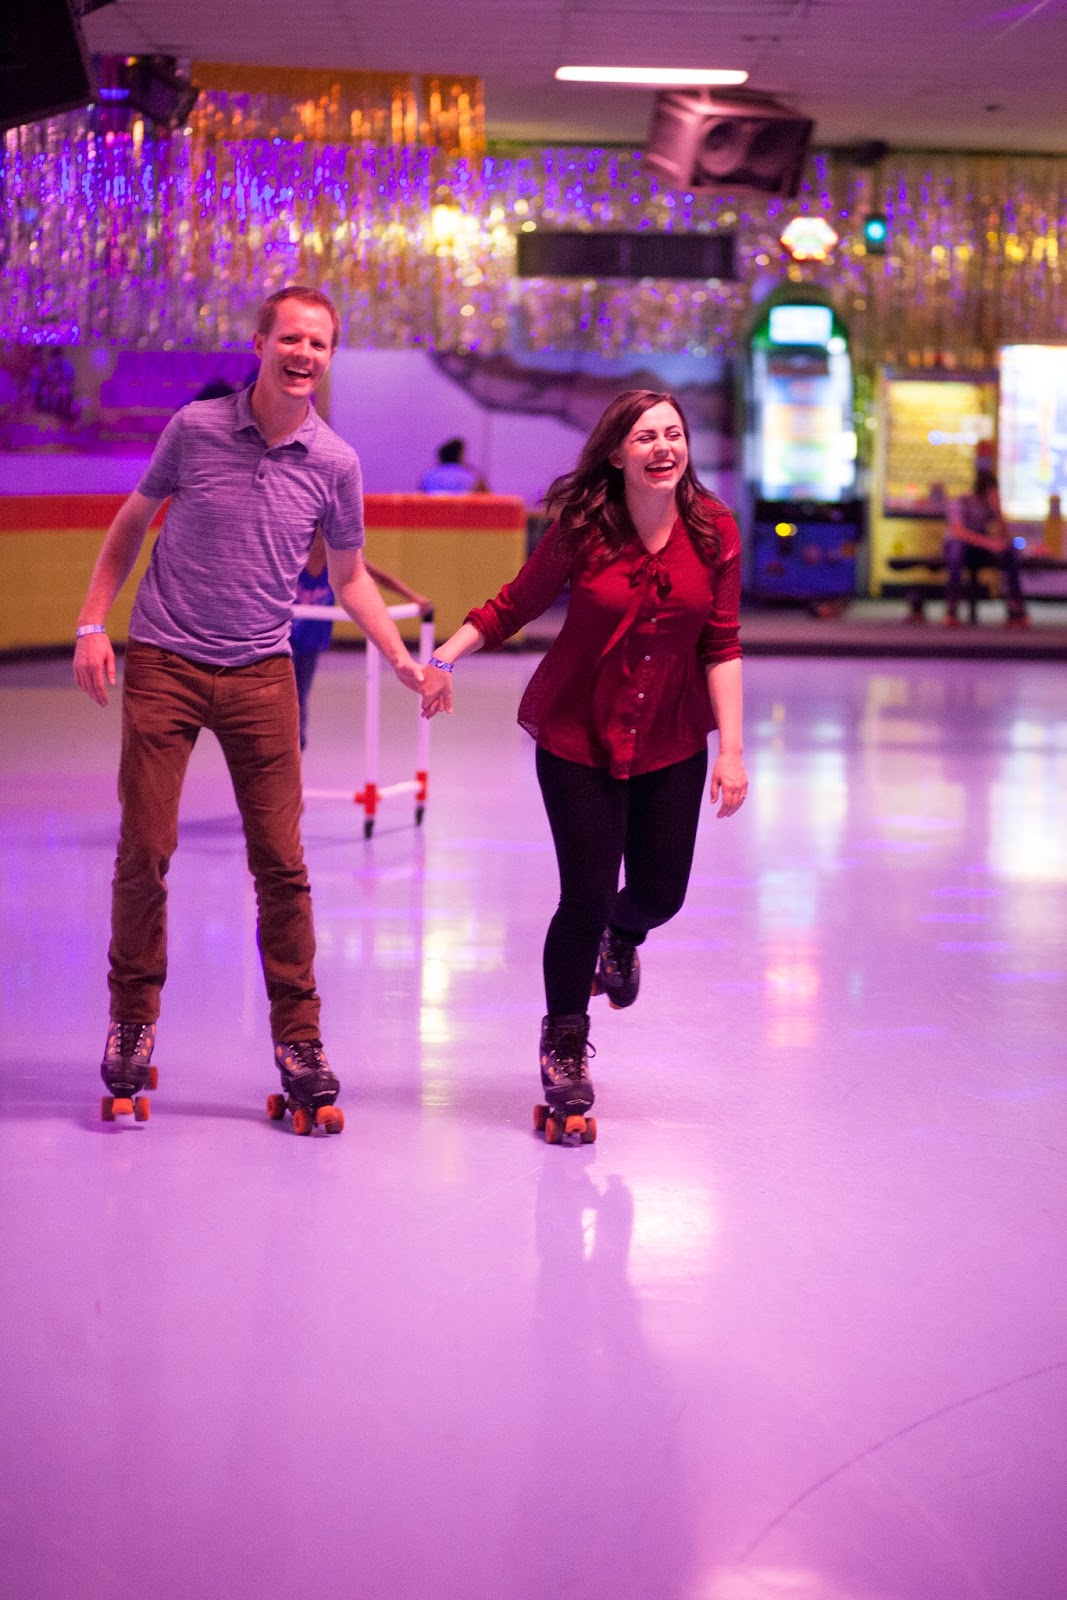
{"x":805,"y":523}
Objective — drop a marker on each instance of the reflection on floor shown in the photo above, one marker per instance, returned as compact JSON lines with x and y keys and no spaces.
{"x":793,"y":1327}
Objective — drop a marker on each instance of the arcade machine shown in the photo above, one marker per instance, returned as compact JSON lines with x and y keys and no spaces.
{"x":800,"y":457}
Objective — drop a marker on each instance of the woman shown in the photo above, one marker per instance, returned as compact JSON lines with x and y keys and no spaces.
{"x":645,"y":665}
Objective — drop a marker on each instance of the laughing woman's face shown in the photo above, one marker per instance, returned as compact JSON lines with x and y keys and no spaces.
{"x":654,"y":454}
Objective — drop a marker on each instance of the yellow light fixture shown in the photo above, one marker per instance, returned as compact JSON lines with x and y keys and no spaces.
{"x":654,"y":77}
{"x":809,"y":239}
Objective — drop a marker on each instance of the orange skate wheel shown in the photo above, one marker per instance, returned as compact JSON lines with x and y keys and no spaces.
{"x":142,"y":1109}
{"x":301,"y":1120}
{"x":122,"y":1107}
{"x":152,"y":1081}
{"x":553,"y":1131}
{"x":107,"y":1109}
{"x":332,"y":1118}
{"x":574,"y":1127}
{"x":540,"y":1118}
{"x":589,"y":1136}
{"x":276,"y":1107}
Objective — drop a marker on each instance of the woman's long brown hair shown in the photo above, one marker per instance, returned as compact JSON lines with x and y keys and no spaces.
{"x":590,"y":503}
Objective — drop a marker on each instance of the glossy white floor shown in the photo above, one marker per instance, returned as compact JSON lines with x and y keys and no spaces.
{"x":793,"y":1329}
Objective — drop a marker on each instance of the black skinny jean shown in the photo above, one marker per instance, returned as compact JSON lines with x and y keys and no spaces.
{"x":647,"y":823}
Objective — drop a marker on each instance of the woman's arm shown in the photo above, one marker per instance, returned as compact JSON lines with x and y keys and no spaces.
{"x":538,"y":582}
{"x":728,"y":777}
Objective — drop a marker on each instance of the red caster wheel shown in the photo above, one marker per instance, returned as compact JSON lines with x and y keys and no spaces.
{"x":540,"y":1117}
{"x":302,"y":1120}
{"x":276,"y":1107}
{"x":332,"y":1118}
{"x":107,"y":1109}
{"x":152,"y":1081}
{"x":574,"y":1127}
{"x":122,"y":1107}
{"x":142,"y":1109}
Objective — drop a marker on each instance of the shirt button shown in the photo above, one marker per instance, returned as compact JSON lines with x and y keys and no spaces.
{"x":648,"y":658}
{"x":633,"y":732}
{"x":640,"y":697}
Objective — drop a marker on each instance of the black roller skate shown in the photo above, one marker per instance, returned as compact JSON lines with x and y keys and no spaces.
{"x":310,"y":1088}
{"x":565,"y":1052}
{"x":618,"y":970}
{"x":127,"y":1069}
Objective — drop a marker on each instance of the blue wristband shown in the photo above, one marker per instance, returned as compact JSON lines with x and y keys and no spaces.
{"x":445,"y":666}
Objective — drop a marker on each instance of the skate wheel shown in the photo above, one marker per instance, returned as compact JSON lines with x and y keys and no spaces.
{"x":553,"y":1131}
{"x":331,"y":1118}
{"x":574,"y":1127}
{"x":540,"y":1115}
{"x":122,"y":1107}
{"x":589,"y":1132}
{"x":615,"y":1007}
{"x":301,"y":1120}
{"x":152,"y":1081}
{"x":595,"y":990}
{"x":142,"y":1109}
{"x":276,"y":1107}
{"x":107,"y":1109}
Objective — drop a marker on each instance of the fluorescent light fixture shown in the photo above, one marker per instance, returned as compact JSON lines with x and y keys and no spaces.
{"x":653,"y":77}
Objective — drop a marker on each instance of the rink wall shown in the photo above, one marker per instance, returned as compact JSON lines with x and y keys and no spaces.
{"x":456,"y":549}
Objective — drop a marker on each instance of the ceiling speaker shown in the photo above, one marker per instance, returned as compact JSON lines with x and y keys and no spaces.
{"x":701,"y":139}
{"x":44,"y":65}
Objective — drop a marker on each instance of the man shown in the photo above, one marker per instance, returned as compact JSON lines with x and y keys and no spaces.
{"x":250,"y":476}
{"x":976,"y":537}
{"x":452,"y":475}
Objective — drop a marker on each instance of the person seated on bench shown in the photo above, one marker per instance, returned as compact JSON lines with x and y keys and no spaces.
{"x":976,"y":537}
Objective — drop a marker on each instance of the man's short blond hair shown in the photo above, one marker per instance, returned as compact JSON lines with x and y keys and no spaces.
{"x":268,"y":311}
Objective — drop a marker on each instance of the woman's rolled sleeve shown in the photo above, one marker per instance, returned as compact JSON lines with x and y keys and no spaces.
{"x":720,"y":637}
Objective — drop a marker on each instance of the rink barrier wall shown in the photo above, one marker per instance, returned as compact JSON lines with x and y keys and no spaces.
{"x":458,"y":548}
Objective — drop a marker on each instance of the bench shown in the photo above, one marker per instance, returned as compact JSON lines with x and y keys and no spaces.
{"x":916,"y":591}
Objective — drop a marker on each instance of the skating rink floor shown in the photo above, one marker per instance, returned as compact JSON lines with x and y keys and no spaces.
{"x":795,"y":1328}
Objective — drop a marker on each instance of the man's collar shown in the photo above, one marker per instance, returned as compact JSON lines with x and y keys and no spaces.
{"x":245,"y":418}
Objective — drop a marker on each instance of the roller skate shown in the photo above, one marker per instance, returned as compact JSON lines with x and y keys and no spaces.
{"x":127,"y":1069}
{"x":618,"y":970}
{"x":565,"y":1052}
{"x":310,"y":1088}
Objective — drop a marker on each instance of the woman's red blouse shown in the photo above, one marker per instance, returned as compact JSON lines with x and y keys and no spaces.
{"x":624,"y":684}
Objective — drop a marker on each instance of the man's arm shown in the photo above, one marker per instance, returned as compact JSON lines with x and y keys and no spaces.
{"x":358,"y":594}
{"x":94,"y":659}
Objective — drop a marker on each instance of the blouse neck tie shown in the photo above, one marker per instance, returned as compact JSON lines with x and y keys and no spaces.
{"x":648,"y":573}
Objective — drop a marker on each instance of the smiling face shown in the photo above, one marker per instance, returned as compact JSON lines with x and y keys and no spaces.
{"x":654,"y":454}
{"x":295,"y":355}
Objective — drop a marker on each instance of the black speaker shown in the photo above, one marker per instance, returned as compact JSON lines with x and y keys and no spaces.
{"x":626,"y":255}
{"x":705,"y":140}
{"x":44,"y":65}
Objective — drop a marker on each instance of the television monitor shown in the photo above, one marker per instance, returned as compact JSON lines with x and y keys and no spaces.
{"x":800,"y":324}
{"x":1032,"y":431}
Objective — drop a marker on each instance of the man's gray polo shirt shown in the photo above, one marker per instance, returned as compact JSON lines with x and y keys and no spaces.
{"x":220,"y":584}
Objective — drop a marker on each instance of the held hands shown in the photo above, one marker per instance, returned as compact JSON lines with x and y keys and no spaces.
{"x":94,"y":666}
{"x":729,"y":782}
{"x":409,"y":673}
{"x":436,"y":691}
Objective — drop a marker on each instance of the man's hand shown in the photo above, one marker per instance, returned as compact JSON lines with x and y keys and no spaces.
{"x":410,"y":674}
{"x":94,"y":666}
{"x":436,"y":691}
{"x":730,"y":781}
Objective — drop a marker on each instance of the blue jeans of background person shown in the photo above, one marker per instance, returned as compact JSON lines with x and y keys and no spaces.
{"x":304,"y":664}
{"x":959,"y":555}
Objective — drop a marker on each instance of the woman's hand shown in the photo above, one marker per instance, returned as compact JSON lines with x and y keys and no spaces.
{"x":436,"y":691}
{"x":729,"y":782}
